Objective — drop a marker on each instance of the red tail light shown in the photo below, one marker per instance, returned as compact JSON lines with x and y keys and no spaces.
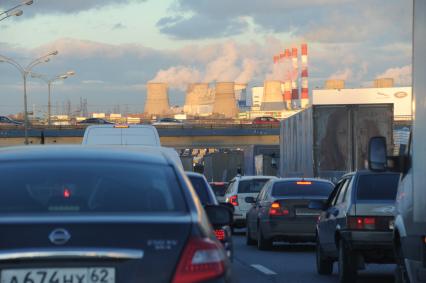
{"x":202,"y":259}
{"x":233,"y":200}
{"x":220,"y":234}
{"x":277,"y":210}
{"x":362,"y":223}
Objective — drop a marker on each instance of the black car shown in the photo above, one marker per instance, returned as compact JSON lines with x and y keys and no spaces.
{"x":281,"y":213}
{"x":205,"y":193}
{"x":356,"y":225}
{"x":95,"y":121}
{"x":219,"y":189}
{"x":84,"y":214}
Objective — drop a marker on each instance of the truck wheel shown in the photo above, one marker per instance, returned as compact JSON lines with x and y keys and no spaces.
{"x":347,"y":264}
{"x":262,"y":243}
{"x":324,"y":265}
{"x":249,"y":239}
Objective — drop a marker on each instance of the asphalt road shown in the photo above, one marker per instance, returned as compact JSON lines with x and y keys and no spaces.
{"x":287,"y":263}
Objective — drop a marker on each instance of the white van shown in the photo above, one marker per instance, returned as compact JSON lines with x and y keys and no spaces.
{"x":121,"y":135}
{"x":132,"y":137}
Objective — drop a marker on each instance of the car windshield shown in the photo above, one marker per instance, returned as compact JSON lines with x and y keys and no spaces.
{"x":302,"y":188}
{"x":251,"y":186}
{"x":201,"y":188}
{"x":377,"y":187}
{"x":219,"y":189}
{"x":89,"y":187}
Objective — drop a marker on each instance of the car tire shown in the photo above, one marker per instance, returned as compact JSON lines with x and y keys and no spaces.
{"x":401,"y":275}
{"x":324,"y":264}
{"x":249,"y":240}
{"x":262,"y":243}
{"x":348,"y":270}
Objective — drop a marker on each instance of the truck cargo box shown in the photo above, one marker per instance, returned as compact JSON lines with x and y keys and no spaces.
{"x":328,"y":140}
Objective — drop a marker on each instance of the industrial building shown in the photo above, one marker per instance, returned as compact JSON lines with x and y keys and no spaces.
{"x":157,"y":99}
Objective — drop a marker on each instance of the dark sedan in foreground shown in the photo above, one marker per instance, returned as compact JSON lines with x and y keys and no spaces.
{"x":85,"y":215}
{"x":281,"y":213}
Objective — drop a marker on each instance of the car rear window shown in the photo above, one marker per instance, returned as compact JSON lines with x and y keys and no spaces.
{"x":201,"y":188}
{"x":377,"y":187}
{"x":302,"y":188}
{"x":251,"y":186}
{"x":89,"y":187}
{"x":219,"y":189}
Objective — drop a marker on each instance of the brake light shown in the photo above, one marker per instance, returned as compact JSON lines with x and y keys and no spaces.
{"x":67,"y":193}
{"x":220,"y":234}
{"x":304,"y":183}
{"x":277,"y":210}
{"x":202,"y":259}
{"x":362,"y":223}
{"x":121,"y":126}
{"x":233,"y":200}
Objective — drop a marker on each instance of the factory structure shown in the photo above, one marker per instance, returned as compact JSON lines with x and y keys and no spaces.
{"x":278,"y":98}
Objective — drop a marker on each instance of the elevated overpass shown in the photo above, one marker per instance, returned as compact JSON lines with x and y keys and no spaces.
{"x":187,"y":136}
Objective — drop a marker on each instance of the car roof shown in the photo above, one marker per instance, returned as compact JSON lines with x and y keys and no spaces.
{"x":368,"y":172}
{"x":118,"y":126}
{"x":302,"y":179}
{"x":244,"y":178}
{"x":194,"y":174}
{"x":82,"y":152}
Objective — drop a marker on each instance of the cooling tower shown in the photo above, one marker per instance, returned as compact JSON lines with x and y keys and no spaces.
{"x":272,"y":97}
{"x":157,"y":99}
{"x":383,"y":82}
{"x":225,"y":103}
{"x":198,"y":96}
{"x":334,"y":84}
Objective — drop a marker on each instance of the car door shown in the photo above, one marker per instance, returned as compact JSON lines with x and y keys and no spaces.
{"x":326,"y":231}
{"x":253,"y":213}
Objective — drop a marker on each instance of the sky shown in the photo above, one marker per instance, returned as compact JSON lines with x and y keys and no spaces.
{"x":116,"y":46}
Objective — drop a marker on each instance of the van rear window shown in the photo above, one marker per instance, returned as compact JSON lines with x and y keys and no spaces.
{"x":251,"y":186}
{"x":377,"y":187}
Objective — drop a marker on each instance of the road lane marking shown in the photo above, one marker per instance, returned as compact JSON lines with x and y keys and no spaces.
{"x":263,"y":269}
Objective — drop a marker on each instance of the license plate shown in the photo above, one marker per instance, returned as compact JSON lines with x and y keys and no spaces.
{"x":307,"y":212}
{"x":59,"y":275}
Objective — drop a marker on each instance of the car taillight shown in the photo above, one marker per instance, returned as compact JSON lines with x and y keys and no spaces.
{"x":233,"y":200}
{"x":362,"y":223}
{"x":277,"y":210}
{"x":220,"y":234}
{"x":202,"y":259}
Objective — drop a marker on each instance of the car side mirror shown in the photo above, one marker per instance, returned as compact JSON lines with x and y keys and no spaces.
{"x":317,"y":204}
{"x":218,"y":215}
{"x":251,"y":200}
{"x":377,"y":154}
{"x":228,"y":205}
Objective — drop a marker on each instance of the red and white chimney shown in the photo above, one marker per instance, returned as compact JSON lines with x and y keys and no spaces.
{"x":287,"y":79}
{"x":304,"y":102}
{"x":295,"y":78}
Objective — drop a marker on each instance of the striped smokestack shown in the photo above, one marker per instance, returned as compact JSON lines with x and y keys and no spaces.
{"x":287,"y":80}
{"x":305,"y":89}
{"x":295,"y":77}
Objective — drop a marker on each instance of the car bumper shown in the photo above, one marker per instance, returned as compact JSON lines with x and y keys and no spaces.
{"x":293,"y":229}
{"x":365,"y":240}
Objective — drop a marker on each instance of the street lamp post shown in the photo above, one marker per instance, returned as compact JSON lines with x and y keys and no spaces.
{"x":25,"y":71}
{"x":14,"y":11}
{"x":49,"y":83}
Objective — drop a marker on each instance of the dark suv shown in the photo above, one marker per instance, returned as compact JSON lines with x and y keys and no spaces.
{"x":356,"y":224}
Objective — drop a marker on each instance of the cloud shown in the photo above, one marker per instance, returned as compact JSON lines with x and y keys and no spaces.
{"x":92,"y":82}
{"x":118,"y":26}
{"x":401,"y":75}
{"x":313,"y":20}
{"x":66,"y":6}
